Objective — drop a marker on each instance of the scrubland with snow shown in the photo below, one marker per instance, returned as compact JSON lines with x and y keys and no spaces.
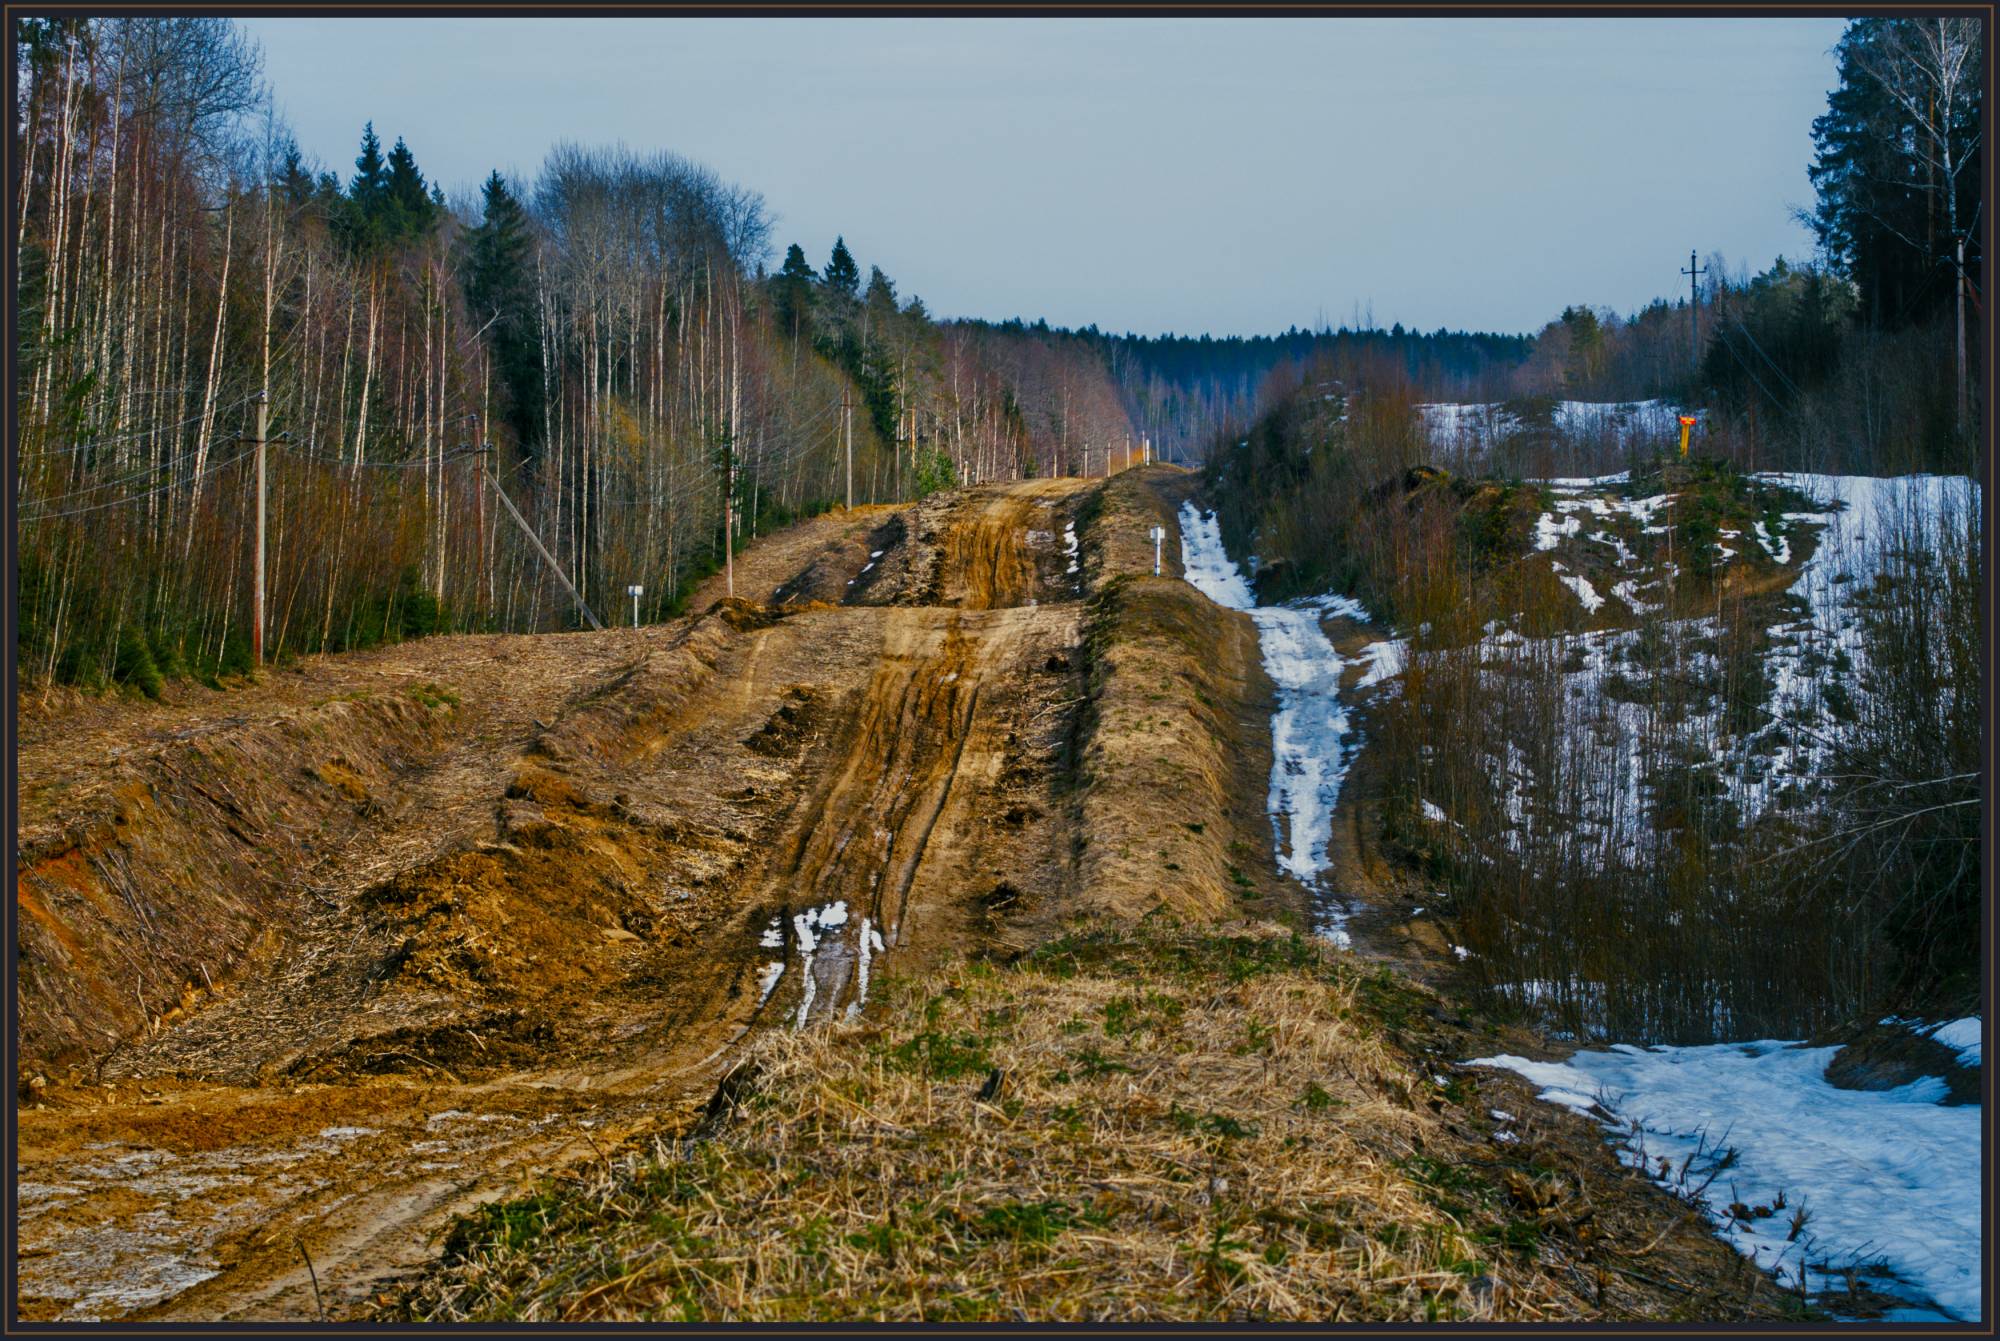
{"x":1874,"y":1187}
{"x":1683,"y":658}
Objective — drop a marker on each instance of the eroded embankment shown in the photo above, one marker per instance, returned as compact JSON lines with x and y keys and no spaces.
{"x":545,"y":920}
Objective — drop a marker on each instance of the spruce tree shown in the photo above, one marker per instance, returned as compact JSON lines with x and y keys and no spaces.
{"x":881,"y":292}
{"x":293,"y":182}
{"x":1879,"y":212}
{"x":843,"y":276}
{"x":408,"y":211}
{"x":793,"y":291}
{"x":362,"y":223}
{"x":499,"y":276}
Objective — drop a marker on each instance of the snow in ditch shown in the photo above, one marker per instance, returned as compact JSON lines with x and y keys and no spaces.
{"x":1309,"y":748}
{"x":1888,"y":1176}
{"x":867,"y":945}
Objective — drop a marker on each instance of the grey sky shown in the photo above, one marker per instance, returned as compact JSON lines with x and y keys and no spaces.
{"x":1227,"y":175}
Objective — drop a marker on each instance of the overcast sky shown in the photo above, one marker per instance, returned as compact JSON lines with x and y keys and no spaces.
{"x":1221,"y":175}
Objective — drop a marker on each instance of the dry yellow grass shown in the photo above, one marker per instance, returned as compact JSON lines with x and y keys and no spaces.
{"x":1147,"y":1126}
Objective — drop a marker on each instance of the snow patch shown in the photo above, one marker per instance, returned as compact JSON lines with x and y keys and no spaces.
{"x":1548,"y":530}
{"x":1584,"y":591}
{"x":1888,"y":1175}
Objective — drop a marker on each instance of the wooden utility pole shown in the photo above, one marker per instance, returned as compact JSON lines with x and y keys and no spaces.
{"x":729,"y":511}
{"x":542,"y":550}
{"x":1694,"y":310}
{"x":847,"y":441}
{"x":257,"y":582}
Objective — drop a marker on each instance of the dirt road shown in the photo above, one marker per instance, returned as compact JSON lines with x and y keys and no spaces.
{"x":434,"y":920}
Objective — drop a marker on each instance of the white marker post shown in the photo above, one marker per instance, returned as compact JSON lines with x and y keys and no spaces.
{"x":635,"y":591}
{"x":1159,"y":534}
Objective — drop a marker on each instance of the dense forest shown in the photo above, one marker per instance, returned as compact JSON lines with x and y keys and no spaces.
{"x":601,"y":349}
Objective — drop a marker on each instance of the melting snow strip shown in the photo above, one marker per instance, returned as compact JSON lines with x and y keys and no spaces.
{"x":1584,"y":591}
{"x":1309,"y":729}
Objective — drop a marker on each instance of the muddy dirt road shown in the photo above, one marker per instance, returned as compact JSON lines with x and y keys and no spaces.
{"x":389,"y":934}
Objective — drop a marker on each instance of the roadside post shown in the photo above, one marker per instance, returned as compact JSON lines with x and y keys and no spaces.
{"x":635,"y":591}
{"x":1687,"y":423}
{"x":1159,"y":534}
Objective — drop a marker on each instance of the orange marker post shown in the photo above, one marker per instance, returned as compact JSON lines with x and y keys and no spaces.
{"x":1687,"y":423}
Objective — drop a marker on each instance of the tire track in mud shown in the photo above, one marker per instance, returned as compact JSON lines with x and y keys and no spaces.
{"x":689,"y":798}
{"x":863,"y":839}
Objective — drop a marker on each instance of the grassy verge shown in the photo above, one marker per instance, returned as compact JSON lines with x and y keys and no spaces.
{"x":1158,"y":1124}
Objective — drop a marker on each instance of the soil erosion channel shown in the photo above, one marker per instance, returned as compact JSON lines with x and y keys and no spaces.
{"x":594,"y":863}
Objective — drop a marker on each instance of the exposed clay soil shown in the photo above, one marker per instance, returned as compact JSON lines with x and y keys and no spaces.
{"x":316,"y":962}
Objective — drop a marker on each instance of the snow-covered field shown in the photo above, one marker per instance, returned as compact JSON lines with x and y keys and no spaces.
{"x":1309,"y":731}
{"x":1889,"y":1177}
